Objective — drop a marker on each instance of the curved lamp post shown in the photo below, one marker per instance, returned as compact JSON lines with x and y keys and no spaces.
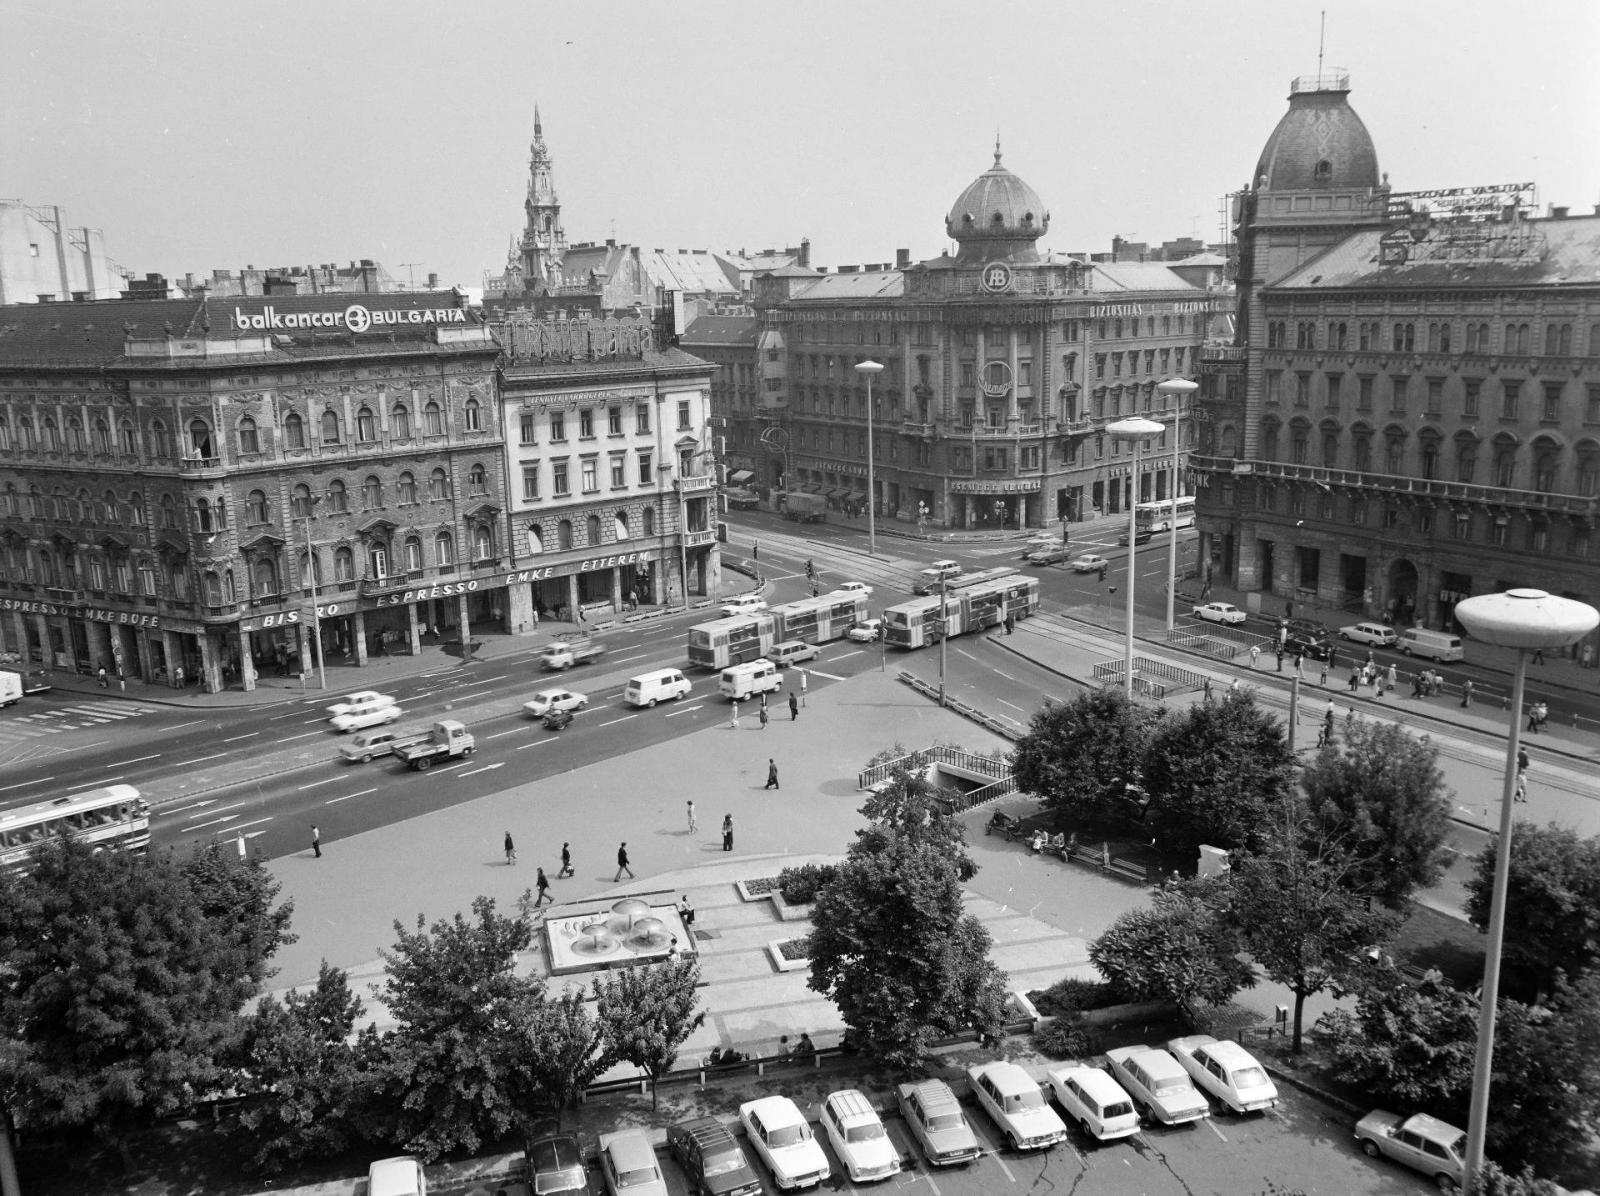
{"x":1180,"y":389}
{"x":869,"y":369}
{"x":1524,"y":620}
{"x":1138,"y":430}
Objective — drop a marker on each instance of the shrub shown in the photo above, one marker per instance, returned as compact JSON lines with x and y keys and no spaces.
{"x":1073,"y":995}
{"x":801,"y":884}
{"x":1066,"y":1037}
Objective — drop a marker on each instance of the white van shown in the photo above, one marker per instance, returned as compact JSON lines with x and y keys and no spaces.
{"x":744,"y":680}
{"x":660,"y":686}
{"x":1435,"y":645}
{"x":10,"y":688}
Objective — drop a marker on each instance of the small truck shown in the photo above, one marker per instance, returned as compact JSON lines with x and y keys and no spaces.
{"x":446,"y":740}
{"x":563,"y":654}
{"x":804,"y":508}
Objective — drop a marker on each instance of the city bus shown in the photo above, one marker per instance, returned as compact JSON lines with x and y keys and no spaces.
{"x":111,"y":819}
{"x":978,"y":603}
{"x":1159,"y":516}
{"x":743,"y":638}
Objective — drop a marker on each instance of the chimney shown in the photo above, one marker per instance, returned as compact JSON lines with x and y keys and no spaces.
{"x":433,"y":282}
{"x":805,"y":252}
{"x":902,"y":259}
{"x":1558,"y":213}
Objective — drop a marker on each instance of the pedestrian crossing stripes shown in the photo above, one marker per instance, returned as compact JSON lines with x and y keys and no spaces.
{"x":19,"y":725}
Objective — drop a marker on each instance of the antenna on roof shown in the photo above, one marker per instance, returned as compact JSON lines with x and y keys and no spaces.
{"x":1322,"y":37}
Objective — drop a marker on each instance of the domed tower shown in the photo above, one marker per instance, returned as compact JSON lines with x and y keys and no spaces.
{"x":998,"y":217}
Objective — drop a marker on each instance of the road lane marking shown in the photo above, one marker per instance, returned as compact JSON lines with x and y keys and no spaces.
{"x":95,"y":784}
{"x":472,"y":772}
{"x":333,"y":801}
{"x":1212,"y":1122}
{"x":314,"y":784}
{"x":496,"y":677}
{"x":200,"y":760}
{"x":535,"y":743}
{"x":302,"y":735}
{"x":503,"y":734}
{"x":1003,"y":702}
{"x":1003,"y":1167}
{"x":194,"y":722}
{"x":136,"y":760}
{"x":479,"y":693}
{"x":830,"y":676}
{"x":623,"y":719}
{"x":246,"y":735}
{"x":685,"y":710}
{"x":23,"y":784}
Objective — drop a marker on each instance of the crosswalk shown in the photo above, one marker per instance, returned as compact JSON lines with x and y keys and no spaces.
{"x":27,"y":729}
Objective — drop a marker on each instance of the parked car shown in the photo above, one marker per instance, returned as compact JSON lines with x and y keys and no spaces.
{"x":366,"y":716}
{"x":1158,"y":1084}
{"x":792,"y":652}
{"x":369,"y":745}
{"x":400,"y":1176}
{"x":854,"y":587}
{"x":744,"y":604}
{"x":1053,"y":555}
{"x":868,"y":631}
{"x":366,"y":699}
{"x":711,"y":1158}
{"x":1141,"y":536}
{"x":1013,"y":1098}
{"x":1095,"y":1101}
{"x":858,"y":1136}
{"x":934,"y":1117}
{"x":783,"y":1139}
{"x":1220,"y":612}
{"x":1423,"y":1143}
{"x":628,"y":1162}
{"x":1038,"y":544}
{"x":1379,"y":635}
{"x":1225,"y":1071}
{"x":1306,"y":637}
{"x":929,"y":579}
{"x":1090,"y":563}
{"x":547,"y":700}
{"x":555,"y":1163}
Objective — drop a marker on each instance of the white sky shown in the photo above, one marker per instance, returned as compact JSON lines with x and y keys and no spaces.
{"x":206,"y":134}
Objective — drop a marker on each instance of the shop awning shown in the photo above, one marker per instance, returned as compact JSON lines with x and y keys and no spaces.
{"x":740,"y":476}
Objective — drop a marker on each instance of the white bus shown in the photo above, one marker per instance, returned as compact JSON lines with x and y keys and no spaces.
{"x":1160,"y":517}
{"x":979,"y":603}
{"x":115,"y":818}
{"x":743,"y":638}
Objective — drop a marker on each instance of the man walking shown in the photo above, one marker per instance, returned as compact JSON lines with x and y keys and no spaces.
{"x":1466,"y":693}
{"x":733,"y":723}
{"x":316,"y":841}
{"x":693,"y":825}
{"x":511,"y":850}
{"x":544,"y":890}
{"x":772,"y":775}
{"x":622,"y":864}
{"x":727,"y":832}
{"x":763,"y":713}
{"x":1255,"y":654}
{"x":794,"y":707}
{"x":803,"y":679}
{"x":566,"y":861}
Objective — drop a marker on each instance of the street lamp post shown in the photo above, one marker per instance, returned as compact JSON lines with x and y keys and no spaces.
{"x":316,"y":614}
{"x":1138,"y":430}
{"x":1179,"y":389}
{"x":1521,"y":619}
{"x":869,"y":368}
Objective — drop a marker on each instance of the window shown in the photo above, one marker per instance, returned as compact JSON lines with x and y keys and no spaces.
{"x":648,"y":524}
{"x":1269,"y":442}
{"x":1298,"y":446}
{"x":1552,"y":402}
{"x":366,"y":426}
{"x":400,"y":421}
{"x":111,"y":510}
{"x":1544,"y":472}
{"x":591,"y":530}
{"x":586,"y":424}
{"x":473,"y":416}
{"x":1334,"y":381}
{"x":444,"y":549}
{"x":1397,"y":395}
{"x":619,"y":472}
{"x":1405,"y":338}
{"x":1429,"y":461}
{"x":25,"y":434}
{"x":558,"y":426}
{"x":686,"y":458}
{"x":1394,"y":455}
{"x":645,"y":477}
{"x":1435,"y":397}
{"x":642,"y":420}
{"x":477,"y":479}
{"x":559,"y":483}
{"x":255,"y":507}
{"x":530,"y":482}
{"x":1466,"y":462}
{"x":378,"y":562}
{"x":1302,"y":390}
{"x":1029,"y":456}
{"x":1477,"y":338}
{"x":74,"y":435}
{"x":683,"y":415}
{"x":1558,"y":340}
{"x":413,"y":552}
{"x":535,"y":539}
{"x":1305,"y":335}
{"x":371,"y":493}
{"x":1364,"y":393}
{"x":619,"y":525}
{"x":127,"y":439}
{"x":1469,"y":398}
{"x":102,"y":436}
{"x":564,"y":534}
{"x":438,"y":485}
{"x":52,"y":434}
{"x":249,"y":441}
{"x":300,"y":501}
{"x":1589,"y":474}
{"x":1274,"y":380}
{"x":199,"y":438}
{"x":1505,"y":466}
{"x":294,"y":431}
{"x":528,"y":427}
{"x":591,"y":475}
{"x":1340,"y":335}
{"x":1591,"y":410}
{"x":1361,"y":443}
{"x":482,"y":543}
{"x":1509,"y":391}
{"x":330,"y":427}
{"x":432,"y":420}
{"x":406,"y":489}
{"x":169,"y":511}
{"x":338,"y":497}
{"x":1516,"y":339}
{"x":344,"y":564}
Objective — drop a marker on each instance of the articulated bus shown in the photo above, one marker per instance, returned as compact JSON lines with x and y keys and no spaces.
{"x":977,"y":604}
{"x":744,"y":638}
{"x":111,"y":819}
{"x":1160,"y":517}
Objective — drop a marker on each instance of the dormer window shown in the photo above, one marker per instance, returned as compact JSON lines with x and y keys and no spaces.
{"x":1323,"y":171}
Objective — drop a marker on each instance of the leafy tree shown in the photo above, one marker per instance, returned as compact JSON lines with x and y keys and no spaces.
{"x":1298,"y":915}
{"x":451,"y":1065}
{"x":648,"y":1012}
{"x":1552,"y":903}
{"x":237,"y":896}
{"x":1493,"y":1181}
{"x":1546,"y":1093}
{"x":121,"y":990}
{"x":1409,"y":1046}
{"x":1079,"y":756}
{"x":306,"y":1076}
{"x":1181,"y":949}
{"x":568,"y":1051}
{"x":893,"y":948}
{"x":1215,"y":775}
{"x":908,"y":804}
{"x":1379,"y":794}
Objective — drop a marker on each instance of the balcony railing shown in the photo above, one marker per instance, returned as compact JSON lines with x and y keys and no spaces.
{"x":696,"y":539}
{"x":691,"y":485}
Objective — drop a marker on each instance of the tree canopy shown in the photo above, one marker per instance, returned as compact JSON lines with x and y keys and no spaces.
{"x":567,"y":1052}
{"x":908,"y":804}
{"x":1080,"y":756}
{"x":1407,"y":1045}
{"x":1379,"y":795}
{"x":1181,"y":949}
{"x":647,"y":1012}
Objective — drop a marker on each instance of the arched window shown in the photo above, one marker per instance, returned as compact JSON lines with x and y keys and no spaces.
{"x":102,"y":436}
{"x":300,"y":501}
{"x":564,"y":534}
{"x":482,"y":543}
{"x":1394,"y":454}
{"x":592,"y":530}
{"x":535,"y":539}
{"x":1330,"y":450}
{"x":111,"y":512}
{"x":477,"y":480}
{"x":294,"y":430}
{"x":1299,"y":444}
{"x":338,"y":497}
{"x":1362,"y":444}
{"x":366,"y":426}
{"x":1269,"y":442}
{"x":1544,"y":471}
{"x":413,"y":555}
{"x":406,"y":487}
{"x":230,"y":592}
{"x":330,"y":427}
{"x":432,"y":420}
{"x":5,"y":435}
{"x":136,"y":502}
{"x":1505,"y":465}
{"x":127,"y":438}
{"x":1466,"y":461}
{"x":255,"y":507}
{"x":249,"y":441}
{"x":1428,"y":459}
{"x":202,"y":515}
{"x":60,"y":506}
{"x":619,"y":526}
{"x":473,"y":415}
{"x":200,"y":439}
{"x":1589,"y":472}
{"x":8,"y":504}
{"x":444,"y":549}
{"x":371,"y":493}
{"x":264,"y":575}
{"x":213,"y":588}
{"x":400,"y":421}
{"x":344,"y":564}
{"x":52,"y":435}
{"x":438,"y":485}
{"x":25,"y":434}
{"x":648,"y":524}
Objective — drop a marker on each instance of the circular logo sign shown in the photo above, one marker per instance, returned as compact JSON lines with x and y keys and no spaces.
{"x":357,"y":318}
{"x":995,"y":277}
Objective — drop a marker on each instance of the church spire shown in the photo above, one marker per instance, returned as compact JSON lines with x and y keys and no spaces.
{"x":544,"y":241}
{"x":538,"y":129}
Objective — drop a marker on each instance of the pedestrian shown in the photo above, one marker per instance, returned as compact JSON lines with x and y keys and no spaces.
{"x":1533,"y":718}
{"x":316,"y":841}
{"x":1323,"y":679}
{"x":686,"y":911}
{"x":1233,"y":686}
{"x":177,"y":675}
{"x":1280,"y":657}
{"x":805,"y":677}
{"x":794,"y":706}
{"x":1520,"y":793}
{"x":755,"y":550}
{"x":733,"y":723}
{"x":693,"y":825}
{"x":566,"y":861}
{"x":1333,"y":659}
{"x":1206,"y":691}
{"x":1011,"y":624}
{"x":1299,"y":666}
{"x":622,"y":864}
{"x":1538,"y":656}
{"x":763,"y":716}
{"x":536,"y":616}
{"x":122,"y":681}
{"x":543,"y":882}
{"x":101,"y":675}
{"x":727,"y":832}
{"x":1255,"y":654}
{"x":1392,"y":677}
{"x":511,"y":850}
{"x":1522,"y":760}
{"x":1466,"y":693}
{"x":763,"y":696}
{"x":1355,"y":679}
{"x":772,"y":775}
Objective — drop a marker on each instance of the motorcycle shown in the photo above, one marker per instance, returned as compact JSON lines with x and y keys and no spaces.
{"x":556,"y":720}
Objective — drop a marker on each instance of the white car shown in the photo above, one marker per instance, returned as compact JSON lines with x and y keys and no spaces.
{"x":1015,"y":1101}
{"x":1095,"y":1101}
{"x":367,"y":716}
{"x":854,"y":587}
{"x":783,"y":1138}
{"x":744,"y":604}
{"x":1158,"y":1084}
{"x":547,"y":700}
{"x":628,"y":1162}
{"x":366,"y":699}
{"x":1090,"y":563}
{"x":869,"y":631}
{"x":1226,"y":1071}
{"x":858,"y":1137}
{"x":401,"y":1176}
{"x":1379,"y":635}
{"x":1219,"y":612}
{"x":1423,"y":1143}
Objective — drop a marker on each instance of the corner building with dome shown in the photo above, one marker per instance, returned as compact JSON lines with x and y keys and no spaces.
{"x":1003,"y":364}
{"x":1408,"y":412}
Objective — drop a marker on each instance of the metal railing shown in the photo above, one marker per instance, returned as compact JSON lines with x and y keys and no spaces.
{"x":939,"y":753}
